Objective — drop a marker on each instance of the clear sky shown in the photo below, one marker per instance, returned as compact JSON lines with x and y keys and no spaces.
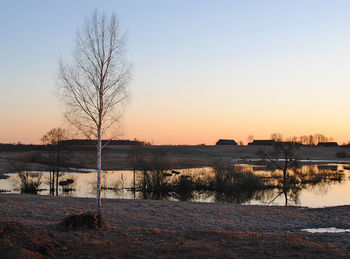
{"x":203,"y":70}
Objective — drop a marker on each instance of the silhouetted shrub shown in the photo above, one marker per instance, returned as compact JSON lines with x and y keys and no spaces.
{"x":154,"y":171}
{"x":341,"y":154}
{"x":29,"y":183}
{"x":183,"y":187}
{"x":86,"y":220}
{"x":230,"y":177}
{"x":247,"y":180}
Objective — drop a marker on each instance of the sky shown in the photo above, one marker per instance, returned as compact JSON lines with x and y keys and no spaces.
{"x":202,"y":70}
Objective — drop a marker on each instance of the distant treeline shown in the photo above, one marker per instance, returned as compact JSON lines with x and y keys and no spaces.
{"x":87,"y":142}
{"x":23,"y":147}
{"x":308,"y":140}
{"x":304,"y":140}
{"x":68,"y":143}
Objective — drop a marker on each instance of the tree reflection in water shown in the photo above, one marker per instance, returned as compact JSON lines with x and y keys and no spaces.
{"x":308,"y":177}
{"x":239,"y":184}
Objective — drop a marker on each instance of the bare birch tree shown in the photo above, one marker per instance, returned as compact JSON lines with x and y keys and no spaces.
{"x":94,"y":86}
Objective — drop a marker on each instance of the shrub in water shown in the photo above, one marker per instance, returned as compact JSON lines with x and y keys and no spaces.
{"x":29,"y":183}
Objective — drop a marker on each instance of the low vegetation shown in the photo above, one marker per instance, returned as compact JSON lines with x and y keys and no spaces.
{"x":226,"y":181}
{"x":29,"y":182}
{"x":155,"y":180}
{"x":342,"y":154}
{"x":86,"y":220}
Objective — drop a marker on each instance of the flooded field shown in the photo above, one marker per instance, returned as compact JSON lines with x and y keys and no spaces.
{"x":333,"y":189}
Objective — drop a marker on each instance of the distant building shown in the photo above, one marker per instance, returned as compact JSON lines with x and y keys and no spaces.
{"x":267,"y":142}
{"x":327,"y":144}
{"x":226,"y":142}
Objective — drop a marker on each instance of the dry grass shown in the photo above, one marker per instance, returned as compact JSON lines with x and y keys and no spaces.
{"x":160,"y":229}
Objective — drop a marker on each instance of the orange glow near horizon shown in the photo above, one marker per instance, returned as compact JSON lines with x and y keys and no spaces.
{"x":170,"y":135}
{"x":186,"y":124}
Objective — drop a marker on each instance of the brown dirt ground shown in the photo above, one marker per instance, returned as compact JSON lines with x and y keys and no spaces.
{"x":164,"y":229}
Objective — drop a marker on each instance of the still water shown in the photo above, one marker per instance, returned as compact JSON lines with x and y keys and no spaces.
{"x":117,"y":184}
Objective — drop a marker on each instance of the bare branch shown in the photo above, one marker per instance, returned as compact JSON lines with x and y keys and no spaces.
{"x":93,"y":88}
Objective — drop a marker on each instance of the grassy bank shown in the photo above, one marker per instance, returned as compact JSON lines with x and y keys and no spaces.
{"x":147,"y":229}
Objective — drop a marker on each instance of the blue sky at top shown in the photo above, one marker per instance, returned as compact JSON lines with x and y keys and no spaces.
{"x":212,"y":68}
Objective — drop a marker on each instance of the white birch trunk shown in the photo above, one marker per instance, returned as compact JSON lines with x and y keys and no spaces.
{"x":99,"y":165}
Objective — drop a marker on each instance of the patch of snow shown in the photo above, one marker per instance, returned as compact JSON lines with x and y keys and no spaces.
{"x":325,"y":230}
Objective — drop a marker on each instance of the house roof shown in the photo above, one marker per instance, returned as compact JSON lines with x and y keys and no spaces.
{"x":226,"y":142}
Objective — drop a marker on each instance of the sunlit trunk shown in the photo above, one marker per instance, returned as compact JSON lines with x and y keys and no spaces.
{"x":285,"y":187}
{"x":57,"y":169}
{"x":98,"y":192}
{"x":52,"y":173}
{"x":134,"y":176}
{"x":134,"y":190}
{"x":51,"y":182}
{"x":57,"y":182}
{"x":144,"y":185}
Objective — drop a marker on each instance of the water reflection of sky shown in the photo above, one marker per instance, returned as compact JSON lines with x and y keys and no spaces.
{"x":331,"y":193}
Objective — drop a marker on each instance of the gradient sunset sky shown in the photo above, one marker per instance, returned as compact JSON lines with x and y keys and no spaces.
{"x":203,"y":70}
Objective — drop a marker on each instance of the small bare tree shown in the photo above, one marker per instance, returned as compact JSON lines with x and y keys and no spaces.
{"x":283,"y":157}
{"x":277,"y":137}
{"x":250,"y":138}
{"x":57,"y":154}
{"x":94,"y":86}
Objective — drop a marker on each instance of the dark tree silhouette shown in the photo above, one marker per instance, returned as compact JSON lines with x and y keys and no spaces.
{"x":282,"y":157}
{"x":57,"y":154}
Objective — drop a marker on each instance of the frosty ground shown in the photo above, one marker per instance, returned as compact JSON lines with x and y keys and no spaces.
{"x":147,"y":229}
